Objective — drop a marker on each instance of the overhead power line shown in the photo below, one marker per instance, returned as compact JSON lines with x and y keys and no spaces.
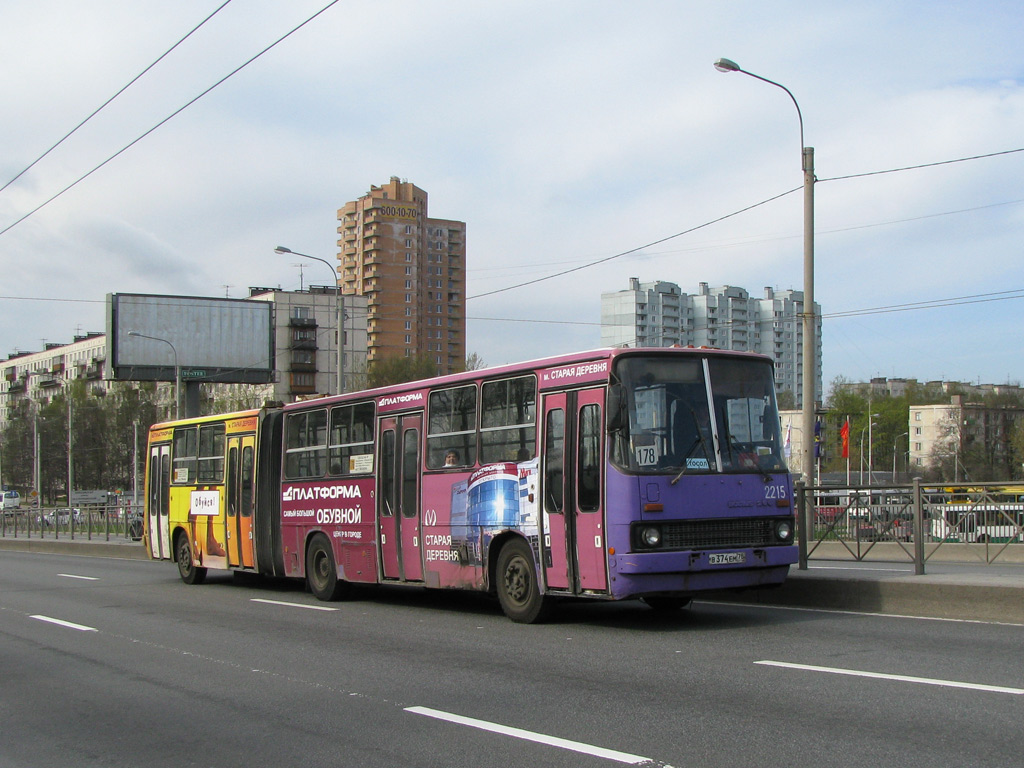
{"x":923,"y":165}
{"x":96,"y":111}
{"x":174,"y":114}
{"x":728,"y":216}
{"x":631,"y":250}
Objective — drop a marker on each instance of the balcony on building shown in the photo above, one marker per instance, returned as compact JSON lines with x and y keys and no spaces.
{"x":302,"y":384}
{"x":304,"y":342}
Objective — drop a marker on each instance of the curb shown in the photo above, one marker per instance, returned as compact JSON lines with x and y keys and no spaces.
{"x":127,"y":550}
{"x":919,"y":597}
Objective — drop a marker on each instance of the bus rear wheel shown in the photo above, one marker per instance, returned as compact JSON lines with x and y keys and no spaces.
{"x":188,"y":570}
{"x":518,"y":590}
{"x":322,"y":573}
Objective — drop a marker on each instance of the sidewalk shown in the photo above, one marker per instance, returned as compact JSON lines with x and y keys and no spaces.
{"x":963,"y":591}
{"x":969,"y":591}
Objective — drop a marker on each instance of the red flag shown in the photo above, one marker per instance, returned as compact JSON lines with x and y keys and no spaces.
{"x":845,"y":432}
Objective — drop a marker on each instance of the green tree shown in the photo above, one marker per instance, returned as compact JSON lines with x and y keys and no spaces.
{"x":1017,"y":450}
{"x":131,"y":411}
{"x":787,"y":400}
{"x":398,"y":370}
{"x":17,"y":447}
{"x":474,"y":362}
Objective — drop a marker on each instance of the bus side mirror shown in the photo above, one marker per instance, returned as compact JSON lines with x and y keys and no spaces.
{"x":615,"y":418}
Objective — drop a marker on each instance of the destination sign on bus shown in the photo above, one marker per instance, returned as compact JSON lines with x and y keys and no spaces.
{"x":577,"y":373}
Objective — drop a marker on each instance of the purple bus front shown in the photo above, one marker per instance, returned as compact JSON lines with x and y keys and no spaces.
{"x":698,"y":494}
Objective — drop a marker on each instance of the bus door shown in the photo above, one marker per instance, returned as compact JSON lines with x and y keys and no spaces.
{"x":554,"y":482}
{"x":398,"y":505}
{"x":159,"y":500}
{"x":574,"y":536}
{"x":240,"y":495}
{"x":592,"y":570}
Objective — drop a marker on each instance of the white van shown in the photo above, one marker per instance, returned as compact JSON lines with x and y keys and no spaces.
{"x":10,"y":500}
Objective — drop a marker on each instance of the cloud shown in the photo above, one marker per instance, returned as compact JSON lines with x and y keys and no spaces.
{"x":561,"y":133}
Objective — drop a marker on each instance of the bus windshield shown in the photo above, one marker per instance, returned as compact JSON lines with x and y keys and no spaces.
{"x":697,"y":415}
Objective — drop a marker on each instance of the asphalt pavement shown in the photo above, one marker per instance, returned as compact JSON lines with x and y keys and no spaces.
{"x":971,"y":590}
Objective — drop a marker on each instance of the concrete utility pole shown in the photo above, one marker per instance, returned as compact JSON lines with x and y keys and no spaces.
{"x":809,"y":319}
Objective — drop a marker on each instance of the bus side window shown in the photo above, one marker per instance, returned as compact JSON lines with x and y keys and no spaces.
{"x":588,"y":492}
{"x":554,"y":461}
{"x":211,"y":454}
{"x":451,"y":426}
{"x":306,"y":444}
{"x":387,"y":473}
{"x":186,"y":453}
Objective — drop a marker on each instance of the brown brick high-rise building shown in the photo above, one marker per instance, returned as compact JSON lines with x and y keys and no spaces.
{"x":411,"y":269}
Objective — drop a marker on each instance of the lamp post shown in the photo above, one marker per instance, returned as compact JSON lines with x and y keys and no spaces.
{"x":862,"y":431}
{"x":809,"y":325}
{"x":177,"y":370}
{"x":871,"y":445}
{"x":894,"y":444}
{"x":339,"y":306}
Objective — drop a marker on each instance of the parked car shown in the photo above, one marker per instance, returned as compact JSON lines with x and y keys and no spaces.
{"x":60,"y":517}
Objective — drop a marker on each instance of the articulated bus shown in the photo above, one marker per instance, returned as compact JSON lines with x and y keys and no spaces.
{"x":982,"y":514}
{"x":652,"y":474}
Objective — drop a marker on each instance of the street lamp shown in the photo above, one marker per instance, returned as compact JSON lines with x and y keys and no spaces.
{"x":871,"y":445}
{"x":894,"y":444}
{"x":339,"y":305}
{"x":810,"y":358}
{"x":862,"y":431}
{"x":177,"y":370}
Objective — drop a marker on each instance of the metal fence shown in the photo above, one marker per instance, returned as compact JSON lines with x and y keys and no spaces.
{"x":979,"y":522}
{"x":97,"y":522}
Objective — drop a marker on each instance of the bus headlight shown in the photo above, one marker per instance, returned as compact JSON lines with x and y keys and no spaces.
{"x":651,"y":536}
{"x":784,"y":530}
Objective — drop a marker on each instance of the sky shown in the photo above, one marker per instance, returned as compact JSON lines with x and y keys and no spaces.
{"x":562,"y":133}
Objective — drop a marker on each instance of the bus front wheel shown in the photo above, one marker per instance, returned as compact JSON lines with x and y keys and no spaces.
{"x":322,"y":573}
{"x":518,"y":590}
{"x":188,"y":570}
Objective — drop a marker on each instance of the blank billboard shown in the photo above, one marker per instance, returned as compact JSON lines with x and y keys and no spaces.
{"x":212,"y":340}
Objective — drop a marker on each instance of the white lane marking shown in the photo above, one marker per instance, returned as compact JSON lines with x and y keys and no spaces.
{"x":897,"y":678}
{"x":293,"y":605}
{"x":68,"y":624}
{"x":73,"y":576}
{"x":874,"y":614}
{"x":539,"y":738}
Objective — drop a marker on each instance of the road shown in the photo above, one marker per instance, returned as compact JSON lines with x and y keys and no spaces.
{"x":116,"y":663}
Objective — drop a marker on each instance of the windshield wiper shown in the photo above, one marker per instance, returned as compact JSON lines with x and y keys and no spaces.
{"x":699,"y":441}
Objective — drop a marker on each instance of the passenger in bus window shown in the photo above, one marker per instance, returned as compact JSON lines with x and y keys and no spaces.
{"x":451,"y":459}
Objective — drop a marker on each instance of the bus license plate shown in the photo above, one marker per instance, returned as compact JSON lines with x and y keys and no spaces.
{"x":727,"y":558}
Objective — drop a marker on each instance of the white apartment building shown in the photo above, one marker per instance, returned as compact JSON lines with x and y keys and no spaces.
{"x":945,"y":433}
{"x":38,"y":376}
{"x":306,"y":342}
{"x":659,"y":314}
